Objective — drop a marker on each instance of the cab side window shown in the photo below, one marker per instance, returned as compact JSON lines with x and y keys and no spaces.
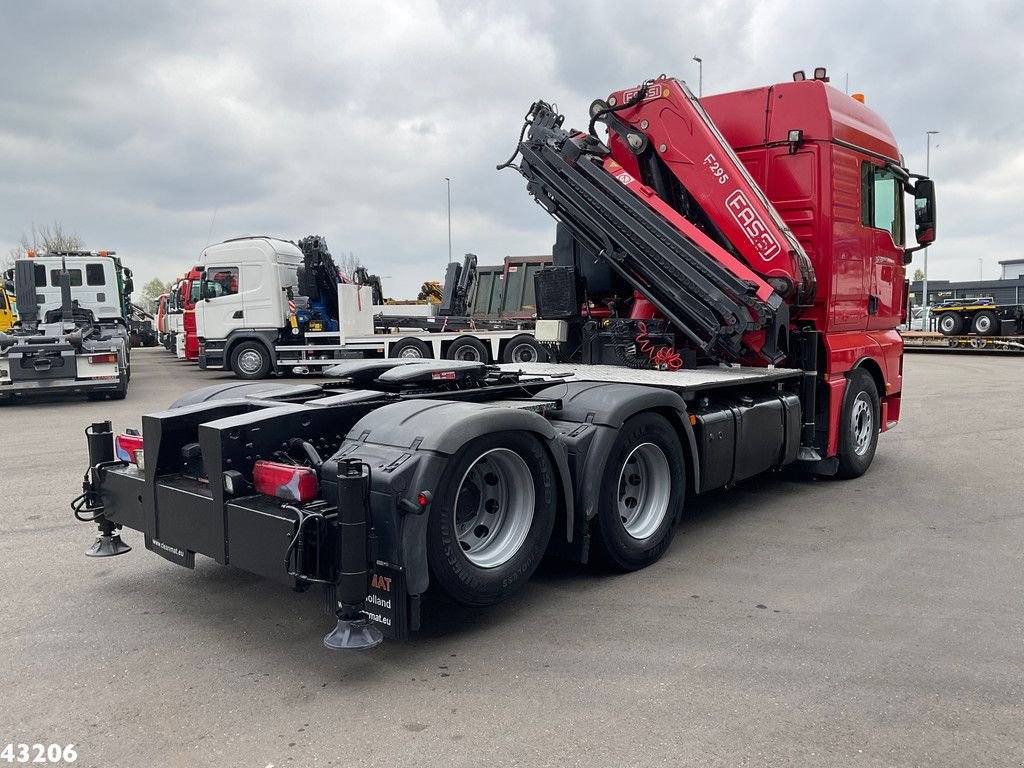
{"x":94,"y":274}
{"x":220,"y":281}
{"x":40,"y":272}
{"x":881,"y":200}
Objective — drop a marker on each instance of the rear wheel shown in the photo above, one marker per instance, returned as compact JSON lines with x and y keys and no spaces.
{"x":950,"y":324}
{"x":858,"y":425}
{"x":410,"y":348}
{"x":986,"y":323}
{"x":468,"y":348}
{"x":524,"y":349}
{"x":490,"y":524}
{"x":642,"y":492}
{"x":250,"y":360}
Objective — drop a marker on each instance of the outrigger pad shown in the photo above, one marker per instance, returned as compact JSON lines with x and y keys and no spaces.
{"x":353,"y":635}
{"x":366,"y":371}
{"x":107,"y":546}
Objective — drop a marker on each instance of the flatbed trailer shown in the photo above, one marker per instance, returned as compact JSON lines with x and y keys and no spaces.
{"x":924,"y":341}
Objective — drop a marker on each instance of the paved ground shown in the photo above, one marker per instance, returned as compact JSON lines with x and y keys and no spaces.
{"x":877,"y":622}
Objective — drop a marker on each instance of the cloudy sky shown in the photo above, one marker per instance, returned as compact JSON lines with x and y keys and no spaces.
{"x":153,"y":128}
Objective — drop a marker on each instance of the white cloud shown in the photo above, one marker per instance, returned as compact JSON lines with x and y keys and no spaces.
{"x":134,"y":124}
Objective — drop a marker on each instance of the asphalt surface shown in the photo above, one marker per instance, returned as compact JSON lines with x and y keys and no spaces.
{"x":874,"y":622}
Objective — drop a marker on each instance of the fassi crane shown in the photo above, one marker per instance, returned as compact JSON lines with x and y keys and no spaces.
{"x":671,"y":208}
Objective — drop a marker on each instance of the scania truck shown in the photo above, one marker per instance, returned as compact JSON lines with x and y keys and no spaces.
{"x":271,"y":306}
{"x":726,"y":285}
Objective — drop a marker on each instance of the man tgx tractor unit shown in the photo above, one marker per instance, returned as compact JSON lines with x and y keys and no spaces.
{"x":725,"y":289}
{"x":72,"y":333}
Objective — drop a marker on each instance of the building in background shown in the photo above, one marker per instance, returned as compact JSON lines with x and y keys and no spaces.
{"x":1011,"y":269}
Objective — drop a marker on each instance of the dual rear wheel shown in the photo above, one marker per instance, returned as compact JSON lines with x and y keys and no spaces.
{"x":491,"y":526}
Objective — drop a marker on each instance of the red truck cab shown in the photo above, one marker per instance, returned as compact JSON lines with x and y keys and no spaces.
{"x":831,"y":168}
{"x":189,"y":288}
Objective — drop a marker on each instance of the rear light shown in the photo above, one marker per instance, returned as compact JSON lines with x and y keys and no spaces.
{"x":285,"y":481}
{"x":129,"y":448}
{"x":110,"y":358}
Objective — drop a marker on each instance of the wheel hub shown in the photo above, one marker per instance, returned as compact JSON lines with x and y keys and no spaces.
{"x":645,"y":485}
{"x":862,"y":423}
{"x":250,"y":361}
{"x":494,"y":508}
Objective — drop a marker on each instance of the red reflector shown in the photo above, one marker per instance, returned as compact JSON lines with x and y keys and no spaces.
{"x":110,"y":358}
{"x":125,"y":447}
{"x":285,"y":481}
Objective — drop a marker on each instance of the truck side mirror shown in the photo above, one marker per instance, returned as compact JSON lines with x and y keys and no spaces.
{"x":9,"y":286}
{"x":924,"y":211}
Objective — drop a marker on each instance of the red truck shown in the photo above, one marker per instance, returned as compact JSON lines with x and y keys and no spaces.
{"x":189,"y":288}
{"x":726,"y":283}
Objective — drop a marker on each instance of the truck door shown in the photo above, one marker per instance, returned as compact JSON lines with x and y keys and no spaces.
{"x":882,"y":213}
{"x":222,"y":309}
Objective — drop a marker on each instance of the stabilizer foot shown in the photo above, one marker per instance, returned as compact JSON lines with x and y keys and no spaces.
{"x":353,"y":635}
{"x":107,"y":546}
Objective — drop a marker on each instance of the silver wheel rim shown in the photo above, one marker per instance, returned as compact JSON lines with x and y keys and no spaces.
{"x":946,"y":324}
{"x":984,"y":324}
{"x":862,"y":423}
{"x":524,"y":353}
{"x":467,"y":352}
{"x":494,"y":508}
{"x":645,"y":485}
{"x":410,"y":351}
{"x":250,"y":361}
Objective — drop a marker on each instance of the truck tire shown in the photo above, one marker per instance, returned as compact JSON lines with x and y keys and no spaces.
{"x":468,"y":348}
{"x":410,"y":347}
{"x":858,"y":425}
{"x":492,"y":517}
{"x":524,"y":349}
{"x":250,"y":360}
{"x":642,"y":493}
{"x":986,"y":323}
{"x":950,"y":324}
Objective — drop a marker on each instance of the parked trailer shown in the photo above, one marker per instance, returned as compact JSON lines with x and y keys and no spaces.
{"x":918,"y":341}
{"x":246,"y":320}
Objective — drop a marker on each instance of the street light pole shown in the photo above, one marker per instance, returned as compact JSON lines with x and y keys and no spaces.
{"x":700,"y":76}
{"x":924,"y":282}
{"x":449,"y":218}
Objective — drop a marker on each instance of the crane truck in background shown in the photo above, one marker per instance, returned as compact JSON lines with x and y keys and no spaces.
{"x":72,"y":331}
{"x":272,"y":306}
{"x":726,"y":285}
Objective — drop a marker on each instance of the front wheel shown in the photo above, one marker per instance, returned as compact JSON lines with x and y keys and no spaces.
{"x":858,"y":425}
{"x":642,"y":493}
{"x":250,"y":360}
{"x":492,"y":518}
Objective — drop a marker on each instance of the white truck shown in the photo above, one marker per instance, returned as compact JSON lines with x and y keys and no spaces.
{"x":251,"y":300}
{"x":72,"y":334}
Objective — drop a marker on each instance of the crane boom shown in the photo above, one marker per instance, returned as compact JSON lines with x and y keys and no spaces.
{"x":715,"y":300}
